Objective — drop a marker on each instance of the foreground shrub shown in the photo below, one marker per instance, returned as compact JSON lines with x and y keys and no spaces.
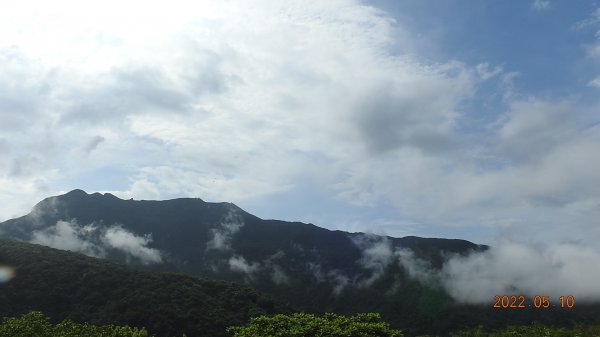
{"x":36,"y":324}
{"x":308,"y":325}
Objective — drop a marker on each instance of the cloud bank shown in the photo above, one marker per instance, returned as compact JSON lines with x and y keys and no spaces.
{"x":509,"y":267}
{"x":512,"y":268}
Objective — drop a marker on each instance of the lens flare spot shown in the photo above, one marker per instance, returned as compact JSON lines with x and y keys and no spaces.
{"x":6,"y":273}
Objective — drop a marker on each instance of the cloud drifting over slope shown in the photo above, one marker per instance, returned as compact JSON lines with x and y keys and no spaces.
{"x":98,"y":241}
{"x":225,"y":231}
{"x":512,"y":268}
{"x":509,"y":267}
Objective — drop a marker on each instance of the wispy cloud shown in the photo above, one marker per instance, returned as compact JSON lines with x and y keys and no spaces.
{"x":540,"y":4}
{"x":224,"y":232}
{"x":595,"y":83}
{"x":132,"y":245}
{"x":592,"y":21}
{"x":334,"y":277}
{"x":377,"y":254}
{"x":97,"y":241}
{"x":69,"y":236}
{"x":239,"y":264}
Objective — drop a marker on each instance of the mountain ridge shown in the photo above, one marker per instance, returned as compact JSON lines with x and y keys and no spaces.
{"x":304,"y":266}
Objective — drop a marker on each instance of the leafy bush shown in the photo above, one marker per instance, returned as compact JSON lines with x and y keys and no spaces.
{"x":36,"y":324}
{"x":309,"y":325}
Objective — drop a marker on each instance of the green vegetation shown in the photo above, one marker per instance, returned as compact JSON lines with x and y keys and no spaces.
{"x":65,"y":285}
{"x":308,"y":325}
{"x":534,"y":330}
{"x":35,"y":324}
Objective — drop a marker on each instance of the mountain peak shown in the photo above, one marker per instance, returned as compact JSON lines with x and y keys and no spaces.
{"x":79,"y":193}
{"x":76,"y":193}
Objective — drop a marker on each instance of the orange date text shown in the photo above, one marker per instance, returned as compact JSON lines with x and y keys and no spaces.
{"x":537,"y":302}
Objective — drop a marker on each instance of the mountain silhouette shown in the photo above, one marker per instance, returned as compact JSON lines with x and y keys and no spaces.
{"x":302,"y":265}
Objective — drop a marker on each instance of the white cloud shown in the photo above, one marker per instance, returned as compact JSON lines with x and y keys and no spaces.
{"x":19,"y":193}
{"x":339,"y":281}
{"x":134,"y":246}
{"x":416,"y":268}
{"x":140,"y":189}
{"x":69,"y":236}
{"x":377,"y":254}
{"x":336,"y":278}
{"x":591,"y":21}
{"x":484,"y":71}
{"x":516,"y":268}
{"x":532,"y":128}
{"x":509,"y":267}
{"x":540,"y":4}
{"x":239,"y":264}
{"x":531,"y":170}
{"x":223,"y":234}
{"x":595,"y":83}
{"x":213,"y":106}
{"x":278,"y":275}
{"x":97,"y":241}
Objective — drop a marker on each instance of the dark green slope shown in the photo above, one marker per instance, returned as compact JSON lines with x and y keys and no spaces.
{"x":69,"y":285}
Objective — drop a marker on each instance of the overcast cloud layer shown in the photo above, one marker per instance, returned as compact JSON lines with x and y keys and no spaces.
{"x":252,"y":101}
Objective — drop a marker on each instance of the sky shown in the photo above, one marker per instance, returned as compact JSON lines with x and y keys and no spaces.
{"x":461,"y":119}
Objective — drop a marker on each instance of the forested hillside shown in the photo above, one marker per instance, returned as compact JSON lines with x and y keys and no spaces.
{"x":66,"y":285}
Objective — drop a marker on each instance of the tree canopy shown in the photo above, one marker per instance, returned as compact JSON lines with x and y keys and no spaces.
{"x":309,"y":325}
{"x":36,"y":324}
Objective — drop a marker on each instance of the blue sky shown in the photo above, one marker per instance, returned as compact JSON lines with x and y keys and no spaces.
{"x":543,"y":44}
{"x":461,"y":119}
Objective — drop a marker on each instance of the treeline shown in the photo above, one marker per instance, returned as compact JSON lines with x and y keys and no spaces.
{"x":534,"y":330}
{"x":36,"y":324}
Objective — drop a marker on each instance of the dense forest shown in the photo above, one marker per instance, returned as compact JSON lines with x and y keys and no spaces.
{"x":36,"y":324}
{"x":66,"y":285}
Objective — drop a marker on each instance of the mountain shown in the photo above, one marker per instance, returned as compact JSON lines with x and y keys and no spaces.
{"x":304,"y":266}
{"x":68,"y":285}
